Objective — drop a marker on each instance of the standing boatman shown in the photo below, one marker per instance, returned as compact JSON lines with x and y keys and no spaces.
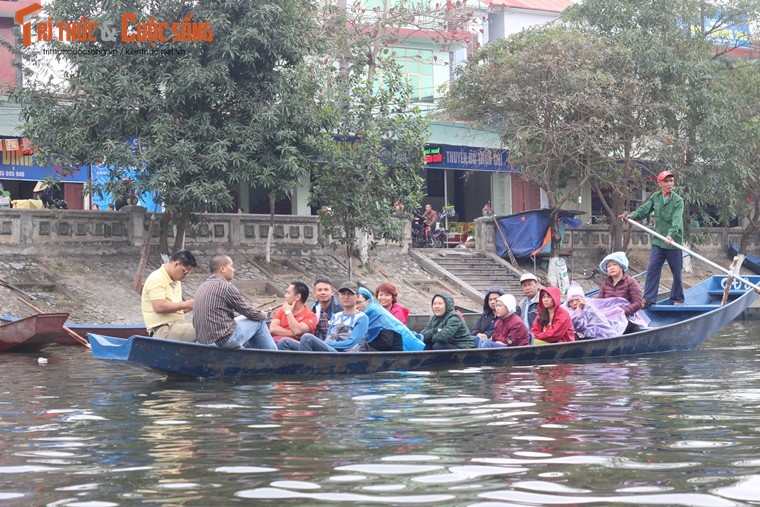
{"x":667,"y":207}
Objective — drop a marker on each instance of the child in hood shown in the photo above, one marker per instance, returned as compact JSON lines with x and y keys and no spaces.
{"x":509,"y":329}
{"x":553,"y":323}
{"x":588,"y":319}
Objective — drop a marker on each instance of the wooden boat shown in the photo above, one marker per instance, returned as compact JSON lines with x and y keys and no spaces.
{"x":32,"y":333}
{"x":751,"y":262}
{"x":115,"y":330}
{"x":673,"y":328}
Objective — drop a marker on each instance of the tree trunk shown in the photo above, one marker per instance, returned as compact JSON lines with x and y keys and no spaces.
{"x":184,"y":219}
{"x":138,"y":285}
{"x":270,"y":234}
{"x":349,"y":262}
{"x":163,"y":232}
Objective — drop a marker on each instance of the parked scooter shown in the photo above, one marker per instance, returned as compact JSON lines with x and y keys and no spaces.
{"x":421,"y":237}
{"x":424,"y":237}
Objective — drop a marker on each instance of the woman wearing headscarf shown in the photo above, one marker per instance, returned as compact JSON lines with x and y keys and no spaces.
{"x":385,"y":332}
{"x":446,"y":329}
{"x":509,"y":329}
{"x":484,"y":327}
{"x":553,"y":324}
{"x":619,"y":284}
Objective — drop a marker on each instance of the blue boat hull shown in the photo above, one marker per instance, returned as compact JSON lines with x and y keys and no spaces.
{"x":675,"y":328}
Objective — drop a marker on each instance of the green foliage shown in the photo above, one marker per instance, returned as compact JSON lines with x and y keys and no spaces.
{"x":376,"y":161}
{"x":729,"y":150}
{"x":551,"y":94}
{"x":239,"y":108}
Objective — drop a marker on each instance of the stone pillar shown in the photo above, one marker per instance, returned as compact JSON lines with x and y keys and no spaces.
{"x":299,"y":199}
{"x":136,"y":224}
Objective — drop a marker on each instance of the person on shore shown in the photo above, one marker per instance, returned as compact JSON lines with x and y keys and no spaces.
{"x":484,"y":327}
{"x":216,"y":302}
{"x":430,"y":216}
{"x":446,"y":329}
{"x":325,"y":307}
{"x":347,"y":331}
{"x":161,"y":301}
{"x":387,"y":296}
{"x":528,"y":305}
{"x":509,"y":328}
{"x":553,"y":323}
{"x":667,"y":208}
{"x":293,"y":319}
{"x":385,"y":332}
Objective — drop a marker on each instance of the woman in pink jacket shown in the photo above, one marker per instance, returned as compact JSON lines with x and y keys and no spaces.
{"x":553,"y":323}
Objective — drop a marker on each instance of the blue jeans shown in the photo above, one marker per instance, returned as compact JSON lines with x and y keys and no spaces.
{"x":308,"y":343}
{"x":657,"y":259}
{"x":250,"y":334}
{"x":489,"y":344}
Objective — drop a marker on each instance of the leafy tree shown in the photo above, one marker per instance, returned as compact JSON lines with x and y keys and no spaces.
{"x":235,"y":106}
{"x":674,"y":56}
{"x":727,"y":158}
{"x":372,"y":170}
{"x":551,"y":94}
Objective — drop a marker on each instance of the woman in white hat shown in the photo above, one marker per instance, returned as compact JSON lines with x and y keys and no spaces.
{"x":619,"y":284}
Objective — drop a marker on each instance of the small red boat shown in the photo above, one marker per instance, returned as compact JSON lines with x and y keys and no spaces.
{"x":32,"y":333}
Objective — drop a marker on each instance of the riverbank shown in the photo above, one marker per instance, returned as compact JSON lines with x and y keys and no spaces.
{"x":99,"y":288}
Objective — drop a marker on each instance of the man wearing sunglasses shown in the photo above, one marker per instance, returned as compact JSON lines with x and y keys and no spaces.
{"x":162,"y":306}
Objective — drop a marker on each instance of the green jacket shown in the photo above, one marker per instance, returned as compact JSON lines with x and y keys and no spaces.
{"x":448,"y":328}
{"x":668,"y":217}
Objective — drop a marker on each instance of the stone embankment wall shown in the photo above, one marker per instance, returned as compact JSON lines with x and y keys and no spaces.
{"x":590,"y":243}
{"x":53,"y":232}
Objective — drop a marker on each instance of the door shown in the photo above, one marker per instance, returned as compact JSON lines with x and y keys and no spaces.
{"x":525,"y":195}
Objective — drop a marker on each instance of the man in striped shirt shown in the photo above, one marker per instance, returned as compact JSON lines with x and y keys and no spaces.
{"x":216,"y":302}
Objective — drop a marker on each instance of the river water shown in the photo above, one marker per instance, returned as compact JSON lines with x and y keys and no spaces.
{"x":674,"y":429}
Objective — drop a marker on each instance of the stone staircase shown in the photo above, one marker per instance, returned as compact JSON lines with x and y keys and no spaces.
{"x":474,"y":272}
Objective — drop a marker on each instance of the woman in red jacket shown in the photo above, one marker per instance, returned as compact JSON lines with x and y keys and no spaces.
{"x":553,"y":323}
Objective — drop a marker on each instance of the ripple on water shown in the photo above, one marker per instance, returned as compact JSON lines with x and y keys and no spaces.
{"x":680,"y":499}
{"x":467,"y":473}
{"x":278,"y":494}
{"x":244,"y":470}
{"x":747,"y":489}
{"x":295,"y":485}
{"x":10,"y":496}
{"x":390,"y":469}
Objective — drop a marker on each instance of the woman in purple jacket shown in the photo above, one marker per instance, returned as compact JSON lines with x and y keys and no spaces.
{"x":619,"y":285}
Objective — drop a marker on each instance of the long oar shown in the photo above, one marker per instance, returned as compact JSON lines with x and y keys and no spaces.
{"x":703,"y":259}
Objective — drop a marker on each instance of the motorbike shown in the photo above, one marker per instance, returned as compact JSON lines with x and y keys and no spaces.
{"x":424,"y":237}
{"x":421,"y":237}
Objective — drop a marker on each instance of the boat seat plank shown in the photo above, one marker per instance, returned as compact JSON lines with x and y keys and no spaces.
{"x":731,"y":293}
{"x":684,"y":308}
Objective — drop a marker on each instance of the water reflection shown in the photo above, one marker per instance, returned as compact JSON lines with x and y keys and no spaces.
{"x":675,"y":429}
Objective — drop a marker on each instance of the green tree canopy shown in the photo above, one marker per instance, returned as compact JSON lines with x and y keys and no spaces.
{"x":235,"y":105}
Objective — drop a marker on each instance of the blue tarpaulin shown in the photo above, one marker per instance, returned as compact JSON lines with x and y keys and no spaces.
{"x":529,"y":232}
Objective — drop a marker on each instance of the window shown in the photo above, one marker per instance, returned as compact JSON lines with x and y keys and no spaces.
{"x":417,"y":66}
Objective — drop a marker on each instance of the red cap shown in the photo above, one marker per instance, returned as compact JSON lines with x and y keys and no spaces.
{"x":663,"y":175}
